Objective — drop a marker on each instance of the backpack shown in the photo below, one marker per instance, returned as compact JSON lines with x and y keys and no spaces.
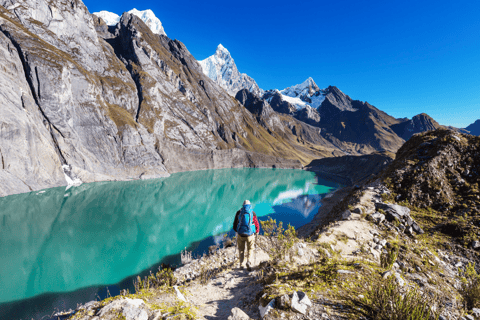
{"x":245,"y":225}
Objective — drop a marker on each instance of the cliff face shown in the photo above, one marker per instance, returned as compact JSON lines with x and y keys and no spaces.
{"x":118,"y":103}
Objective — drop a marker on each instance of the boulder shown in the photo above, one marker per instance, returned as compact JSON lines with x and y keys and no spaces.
{"x":346,"y":214}
{"x":131,"y":309}
{"x":393,"y":211}
{"x":300,"y":302}
{"x":238,"y":314}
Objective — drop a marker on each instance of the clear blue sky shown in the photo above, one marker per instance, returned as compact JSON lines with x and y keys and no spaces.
{"x":404,"y":57}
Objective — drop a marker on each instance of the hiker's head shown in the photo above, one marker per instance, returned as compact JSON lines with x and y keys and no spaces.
{"x":246,"y":202}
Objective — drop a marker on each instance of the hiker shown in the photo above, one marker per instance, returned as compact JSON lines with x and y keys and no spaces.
{"x":246,"y":226}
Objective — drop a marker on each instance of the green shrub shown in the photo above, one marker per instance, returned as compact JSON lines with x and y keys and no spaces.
{"x":278,"y":242}
{"x":385,"y":300}
{"x":164,"y":278}
{"x":470,"y":288}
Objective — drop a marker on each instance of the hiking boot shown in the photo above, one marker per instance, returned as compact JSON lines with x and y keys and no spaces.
{"x":249,"y":266}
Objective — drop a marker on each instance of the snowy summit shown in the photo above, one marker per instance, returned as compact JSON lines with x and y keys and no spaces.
{"x":147,"y":16}
{"x":221,"y":68}
{"x":301,"y":95}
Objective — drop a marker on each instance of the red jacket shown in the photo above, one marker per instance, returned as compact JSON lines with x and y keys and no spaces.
{"x":255,"y":222}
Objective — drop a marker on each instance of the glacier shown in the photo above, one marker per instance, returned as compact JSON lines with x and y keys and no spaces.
{"x":146,"y":16}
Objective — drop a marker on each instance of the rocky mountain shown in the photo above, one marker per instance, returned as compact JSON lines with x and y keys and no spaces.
{"x":84,"y":102}
{"x":419,"y":123}
{"x":221,"y":68}
{"x":474,"y":128}
{"x":147,"y":16}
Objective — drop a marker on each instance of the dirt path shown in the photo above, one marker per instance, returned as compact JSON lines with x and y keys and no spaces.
{"x":230,"y":289}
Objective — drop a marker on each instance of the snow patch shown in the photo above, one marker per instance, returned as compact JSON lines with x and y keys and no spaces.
{"x":146,"y":16}
{"x":72,"y":179}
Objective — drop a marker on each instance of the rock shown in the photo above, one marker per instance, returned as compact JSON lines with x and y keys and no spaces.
{"x":265,"y":310}
{"x":376,"y":240}
{"x":469,"y":317}
{"x":476,"y":245}
{"x":300,"y":252}
{"x":378,"y":247}
{"x":179,"y":294}
{"x":383,"y":243}
{"x":377,"y":217}
{"x":394,"y":208}
{"x":417,"y":228}
{"x":387,"y":274}
{"x":131,"y":309}
{"x":284,"y":302}
{"x":238,"y":314}
{"x":346,"y":215}
{"x":327,"y":253}
{"x":300,"y":302}
{"x":357,"y":210}
{"x":345,"y":272}
{"x":476,"y":312}
{"x":399,"y":279}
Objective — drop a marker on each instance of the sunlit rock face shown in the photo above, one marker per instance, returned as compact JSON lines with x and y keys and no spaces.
{"x":110,"y":103}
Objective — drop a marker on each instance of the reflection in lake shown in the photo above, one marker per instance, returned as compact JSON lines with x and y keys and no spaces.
{"x":101,"y":233}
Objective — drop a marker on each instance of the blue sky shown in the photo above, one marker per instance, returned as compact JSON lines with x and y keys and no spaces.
{"x":404,"y":57}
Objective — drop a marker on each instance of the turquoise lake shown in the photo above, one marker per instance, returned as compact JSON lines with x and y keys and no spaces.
{"x":61,"y":247}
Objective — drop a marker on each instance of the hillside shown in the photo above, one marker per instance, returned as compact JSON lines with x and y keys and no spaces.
{"x":379,"y":250}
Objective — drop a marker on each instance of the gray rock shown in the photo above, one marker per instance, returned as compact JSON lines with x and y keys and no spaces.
{"x":357,"y":210}
{"x":383,"y":243}
{"x":346,"y":215}
{"x":417,"y":228}
{"x":265,"y":310}
{"x":238,"y":314}
{"x":131,"y":309}
{"x":476,"y":312}
{"x":393,"y":211}
{"x":300,"y":302}
{"x":476,"y":244}
{"x":378,"y":217}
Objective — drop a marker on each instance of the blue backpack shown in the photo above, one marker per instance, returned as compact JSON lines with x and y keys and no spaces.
{"x":245,"y":225}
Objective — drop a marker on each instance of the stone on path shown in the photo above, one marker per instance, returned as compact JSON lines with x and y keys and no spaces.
{"x":179,"y":294}
{"x":238,"y":314}
{"x":265,"y":310}
{"x":300,"y":302}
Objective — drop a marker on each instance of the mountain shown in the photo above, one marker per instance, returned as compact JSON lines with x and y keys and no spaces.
{"x":419,"y":123}
{"x":146,"y":16}
{"x":83,"y":102}
{"x":474,"y":128}
{"x":221,"y":68}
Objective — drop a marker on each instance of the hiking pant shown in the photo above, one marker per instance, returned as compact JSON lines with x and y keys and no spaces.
{"x":250,"y":243}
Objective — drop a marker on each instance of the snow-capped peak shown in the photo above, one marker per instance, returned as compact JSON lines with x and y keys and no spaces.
{"x":307,"y":87}
{"x":304,"y":94}
{"x":146,"y":16}
{"x":221,"y":68}
{"x":110,"y":18}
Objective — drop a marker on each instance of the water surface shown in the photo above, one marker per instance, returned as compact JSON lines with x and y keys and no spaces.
{"x":97,"y":234}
